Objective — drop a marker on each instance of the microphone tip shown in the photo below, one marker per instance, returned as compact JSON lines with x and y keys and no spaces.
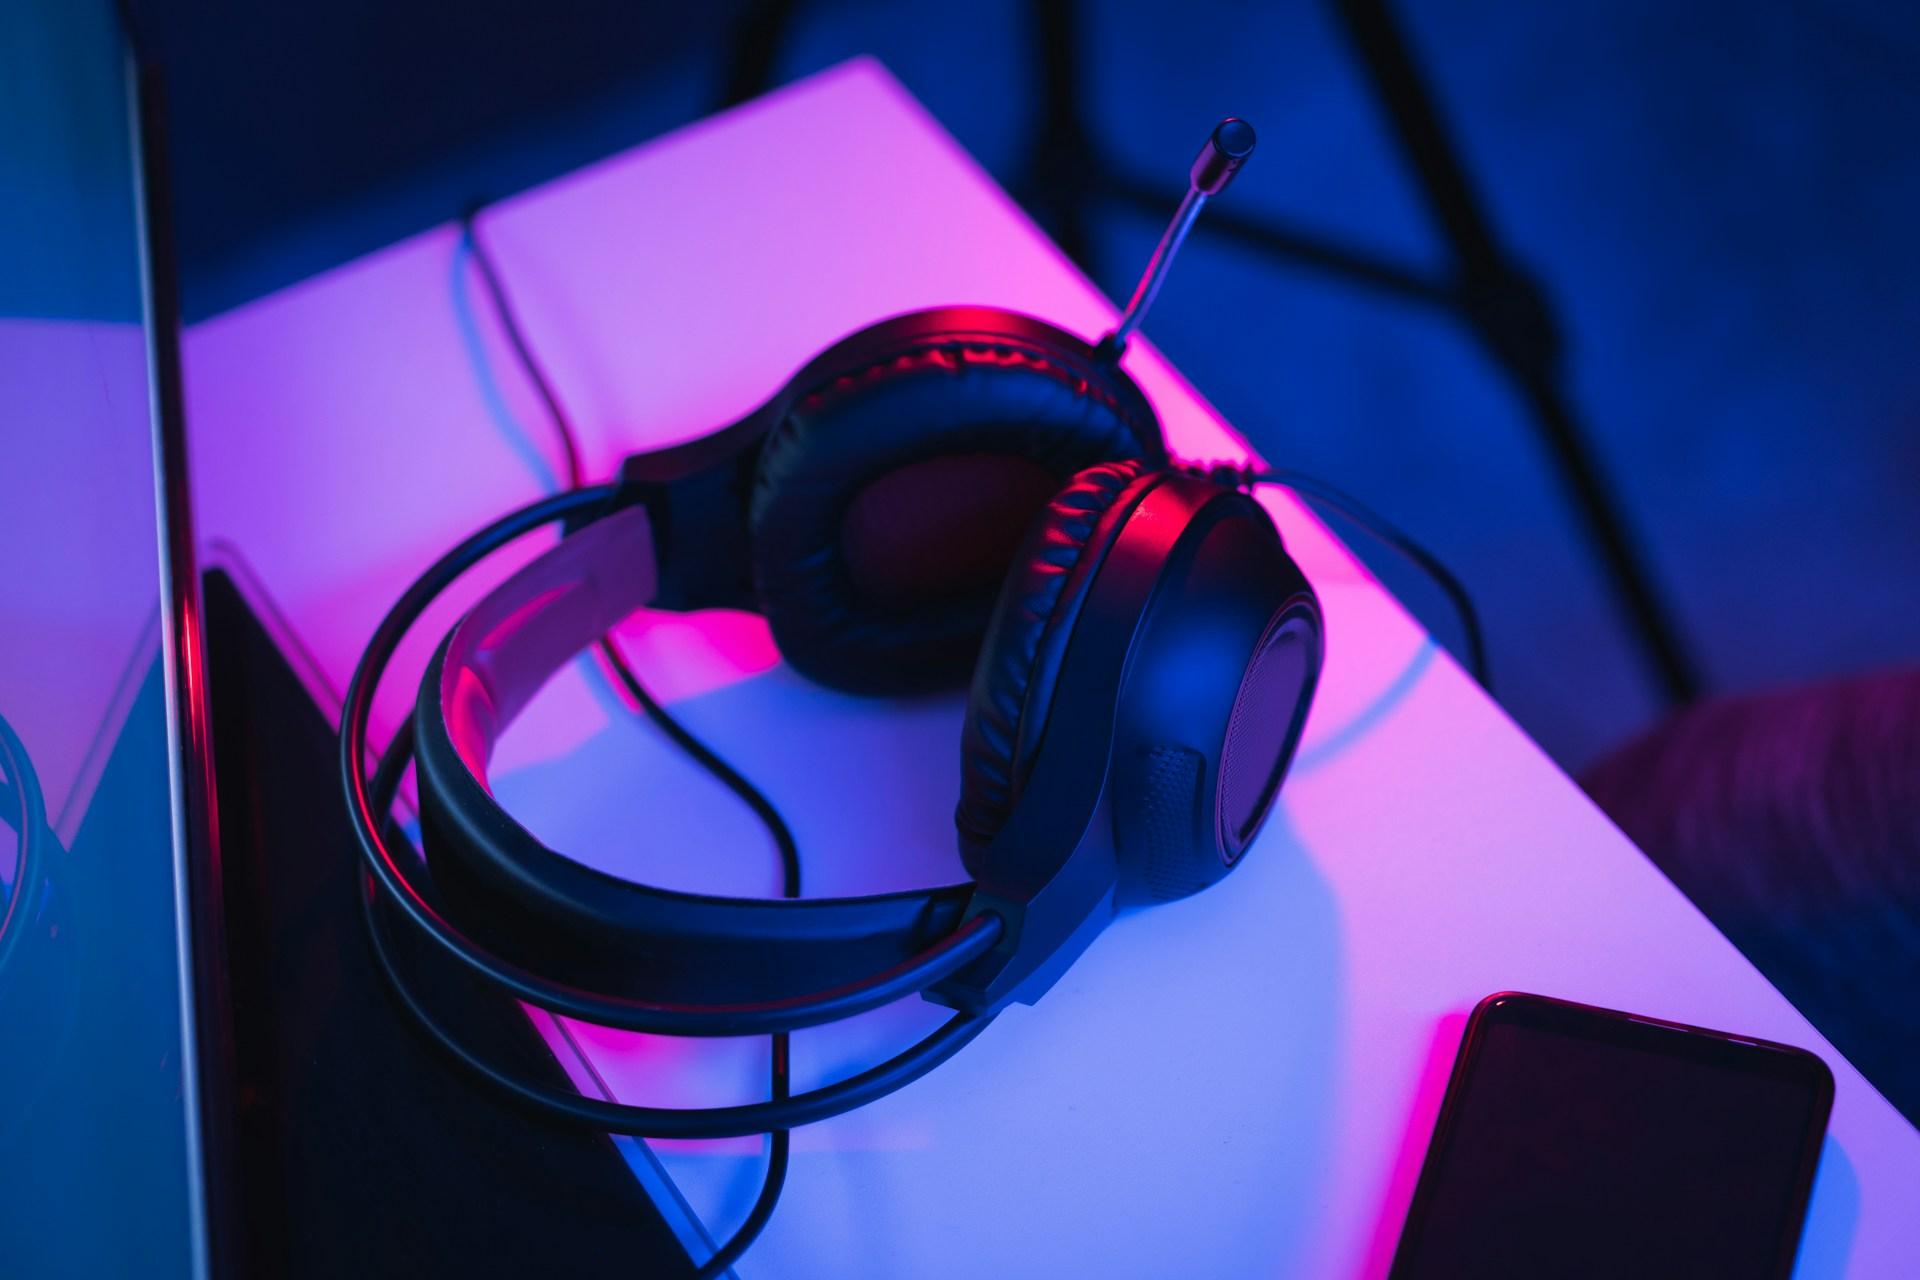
{"x":1234,"y":137}
{"x":1226,"y":150}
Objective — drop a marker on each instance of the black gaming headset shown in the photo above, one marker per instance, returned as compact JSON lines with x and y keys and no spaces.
{"x":954,"y":489}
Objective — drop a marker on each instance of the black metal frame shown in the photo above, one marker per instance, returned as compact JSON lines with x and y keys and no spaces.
{"x":184,"y":643}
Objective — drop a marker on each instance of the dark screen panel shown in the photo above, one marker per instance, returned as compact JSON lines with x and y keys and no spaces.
{"x":99,"y":1166}
{"x":1576,"y":1154}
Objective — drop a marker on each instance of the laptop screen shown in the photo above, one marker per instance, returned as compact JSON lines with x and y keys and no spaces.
{"x":97,"y":1080}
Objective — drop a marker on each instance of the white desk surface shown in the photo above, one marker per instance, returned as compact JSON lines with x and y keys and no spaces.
{"x":1241,"y":1083}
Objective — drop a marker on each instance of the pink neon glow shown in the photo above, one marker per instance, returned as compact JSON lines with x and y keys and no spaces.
{"x":471,"y":722}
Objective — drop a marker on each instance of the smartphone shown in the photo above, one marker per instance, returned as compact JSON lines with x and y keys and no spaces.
{"x":1576,"y":1141}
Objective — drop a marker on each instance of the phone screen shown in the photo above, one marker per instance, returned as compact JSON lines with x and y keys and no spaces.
{"x":1576,"y":1141}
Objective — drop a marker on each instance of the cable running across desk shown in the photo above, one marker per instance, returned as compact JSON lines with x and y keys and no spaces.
{"x":1319,"y":493}
{"x":770,"y":817}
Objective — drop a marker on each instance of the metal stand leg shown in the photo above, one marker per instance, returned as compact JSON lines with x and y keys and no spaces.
{"x":1506,"y":308}
{"x":757,"y":38}
{"x":1063,"y":168}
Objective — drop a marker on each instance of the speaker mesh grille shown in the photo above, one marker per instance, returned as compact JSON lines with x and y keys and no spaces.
{"x":1172,"y":798}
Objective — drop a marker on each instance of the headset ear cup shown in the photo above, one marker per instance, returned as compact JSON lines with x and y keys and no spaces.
{"x":1026,"y":639}
{"x":927,"y":462}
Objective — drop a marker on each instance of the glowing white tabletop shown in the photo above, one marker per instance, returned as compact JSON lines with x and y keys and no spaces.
{"x":1239,"y":1083}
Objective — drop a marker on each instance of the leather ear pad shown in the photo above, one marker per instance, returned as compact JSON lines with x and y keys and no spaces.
{"x":828,"y":583}
{"x":1020,"y":658}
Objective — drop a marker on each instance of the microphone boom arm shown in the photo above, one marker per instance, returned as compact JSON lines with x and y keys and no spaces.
{"x":1225,"y":151}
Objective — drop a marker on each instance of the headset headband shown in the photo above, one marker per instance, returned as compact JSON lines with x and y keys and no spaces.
{"x":706,"y":949}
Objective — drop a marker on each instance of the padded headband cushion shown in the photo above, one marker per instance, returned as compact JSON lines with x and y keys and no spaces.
{"x":889,"y":500}
{"x":1020,"y":660}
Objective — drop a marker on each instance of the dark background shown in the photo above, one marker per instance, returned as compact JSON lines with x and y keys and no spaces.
{"x":1717,"y":199}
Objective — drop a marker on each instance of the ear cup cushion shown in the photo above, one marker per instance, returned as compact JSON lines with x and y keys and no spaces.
{"x":1020,"y":658}
{"x":944,"y":398}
